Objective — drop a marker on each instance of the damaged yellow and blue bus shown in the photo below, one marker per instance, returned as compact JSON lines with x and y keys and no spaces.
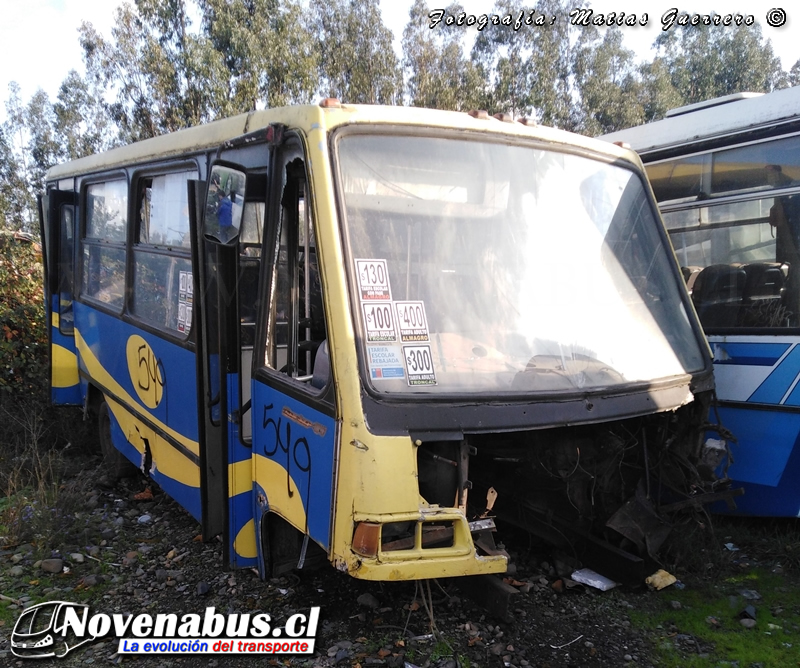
{"x":366,"y":332}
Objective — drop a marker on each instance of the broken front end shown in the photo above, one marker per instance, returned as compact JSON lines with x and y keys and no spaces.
{"x":527,"y":351}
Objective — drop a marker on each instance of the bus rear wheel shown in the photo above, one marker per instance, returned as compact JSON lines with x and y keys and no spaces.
{"x":115,"y":463}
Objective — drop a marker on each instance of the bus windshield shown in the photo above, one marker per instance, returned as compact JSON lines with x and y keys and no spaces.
{"x":481,"y":267}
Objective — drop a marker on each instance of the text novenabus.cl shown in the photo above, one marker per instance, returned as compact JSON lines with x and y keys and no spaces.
{"x":55,"y":628}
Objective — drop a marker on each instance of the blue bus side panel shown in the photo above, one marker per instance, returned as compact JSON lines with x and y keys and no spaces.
{"x":293,"y":445}
{"x":107,"y":338}
{"x":65,"y":389}
{"x":763,"y":372}
{"x":176,"y":474}
{"x":766,"y":461}
{"x":166,"y":370}
{"x":242,"y":549}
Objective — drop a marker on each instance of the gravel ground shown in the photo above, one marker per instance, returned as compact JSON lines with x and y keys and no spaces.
{"x":133,"y":556}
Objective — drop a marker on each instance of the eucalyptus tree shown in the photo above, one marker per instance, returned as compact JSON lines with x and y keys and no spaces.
{"x":607,"y":81}
{"x":15,"y":200}
{"x":267,"y":54}
{"x":80,"y":120}
{"x":658,"y":94}
{"x":44,"y":147}
{"x":161,"y":73}
{"x":26,"y":150}
{"x":793,"y":76}
{"x":704,"y":62}
{"x":526,"y":65}
{"x":439,"y":74}
{"x":357,"y":62}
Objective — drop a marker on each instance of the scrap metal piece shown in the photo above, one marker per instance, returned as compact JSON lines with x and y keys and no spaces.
{"x":486,"y":524}
{"x":482,"y":530}
{"x":491,"y":497}
{"x":700,"y":500}
{"x":639,"y":522}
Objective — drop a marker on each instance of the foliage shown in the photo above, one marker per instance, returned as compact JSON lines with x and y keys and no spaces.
{"x":80,"y":123}
{"x":439,"y":74}
{"x":266,"y":57}
{"x":704,"y":63}
{"x":14,"y":193}
{"x":144,"y":62}
{"x":171,"y":64}
{"x":608,"y":82}
{"x":23,"y":334}
{"x":357,"y":62}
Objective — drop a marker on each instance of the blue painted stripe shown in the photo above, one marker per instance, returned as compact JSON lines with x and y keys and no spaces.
{"x":771,"y":391}
{"x":749,"y":354}
{"x":794,"y":398}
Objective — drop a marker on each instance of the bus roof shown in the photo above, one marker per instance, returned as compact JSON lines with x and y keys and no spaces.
{"x":723,"y":116}
{"x":310,"y":118}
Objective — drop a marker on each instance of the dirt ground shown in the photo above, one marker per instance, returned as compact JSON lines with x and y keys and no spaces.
{"x":124,"y":555}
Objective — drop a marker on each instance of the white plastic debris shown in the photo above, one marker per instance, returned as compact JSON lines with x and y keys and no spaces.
{"x":714,"y":451}
{"x":588,"y":577}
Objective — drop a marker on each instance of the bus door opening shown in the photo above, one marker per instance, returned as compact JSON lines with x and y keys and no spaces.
{"x":294,"y":430}
{"x":58,"y":232}
{"x":218,"y":210}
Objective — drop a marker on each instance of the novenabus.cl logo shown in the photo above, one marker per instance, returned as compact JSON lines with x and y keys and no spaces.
{"x":55,"y":628}
{"x":47,"y":630}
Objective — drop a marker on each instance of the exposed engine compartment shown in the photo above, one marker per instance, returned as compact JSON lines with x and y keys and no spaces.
{"x":609,"y":493}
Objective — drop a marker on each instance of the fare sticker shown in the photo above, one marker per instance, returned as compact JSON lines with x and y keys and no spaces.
{"x":373,"y":280}
{"x":411,"y":321}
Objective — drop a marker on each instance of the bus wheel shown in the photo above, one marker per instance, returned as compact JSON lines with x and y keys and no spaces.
{"x":116,"y":464}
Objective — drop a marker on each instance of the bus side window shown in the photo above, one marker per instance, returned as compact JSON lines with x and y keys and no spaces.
{"x":104,"y":242}
{"x":162,"y":267}
{"x":296,"y":329}
{"x":250,"y":238}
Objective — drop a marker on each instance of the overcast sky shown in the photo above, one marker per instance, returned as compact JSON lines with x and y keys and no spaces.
{"x":40,"y":39}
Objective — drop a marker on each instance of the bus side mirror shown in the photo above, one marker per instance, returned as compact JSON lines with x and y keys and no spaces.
{"x":224,"y":204}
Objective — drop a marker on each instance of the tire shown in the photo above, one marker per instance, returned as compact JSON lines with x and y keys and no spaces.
{"x":115,"y":463}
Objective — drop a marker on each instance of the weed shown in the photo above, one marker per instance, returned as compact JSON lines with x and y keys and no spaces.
{"x":35,"y":506}
{"x":765,"y":539}
{"x":441,"y":650}
{"x":701,"y":627}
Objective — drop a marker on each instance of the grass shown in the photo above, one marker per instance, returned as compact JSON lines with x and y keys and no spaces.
{"x":775,"y":539}
{"x":705,"y":630}
{"x":35,"y":505}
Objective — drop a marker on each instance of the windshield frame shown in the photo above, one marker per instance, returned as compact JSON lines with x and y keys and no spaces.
{"x":503,"y":396}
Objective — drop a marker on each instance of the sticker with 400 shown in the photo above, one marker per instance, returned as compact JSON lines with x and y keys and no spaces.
{"x":146,"y":371}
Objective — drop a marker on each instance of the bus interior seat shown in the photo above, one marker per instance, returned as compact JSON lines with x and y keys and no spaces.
{"x":764,"y":295}
{"x":717,"y":294}
{"x":765,"y":280}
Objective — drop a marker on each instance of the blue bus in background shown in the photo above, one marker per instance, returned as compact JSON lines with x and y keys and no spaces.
{"x":726,"y":175}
